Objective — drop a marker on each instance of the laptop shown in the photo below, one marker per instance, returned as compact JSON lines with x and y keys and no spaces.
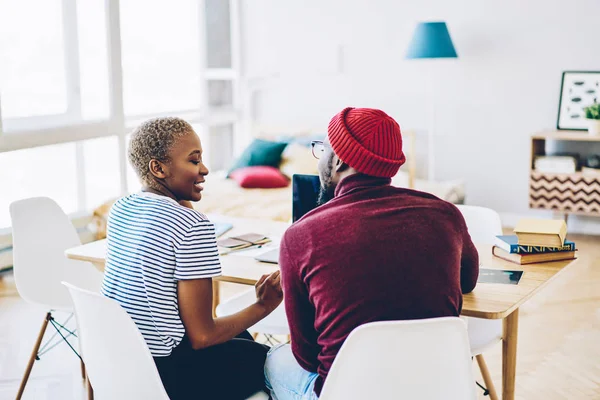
{"x":305,"y":195}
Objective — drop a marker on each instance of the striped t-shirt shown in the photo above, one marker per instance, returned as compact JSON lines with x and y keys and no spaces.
{"x":153,"y":242}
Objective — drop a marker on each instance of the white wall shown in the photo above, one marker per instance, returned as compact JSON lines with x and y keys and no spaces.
{"x":311,"y":58}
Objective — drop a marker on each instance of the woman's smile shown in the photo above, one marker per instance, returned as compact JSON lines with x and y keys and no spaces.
{"x":198,"y":185}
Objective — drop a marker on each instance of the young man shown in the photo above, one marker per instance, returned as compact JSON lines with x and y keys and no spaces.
{"x":372,"y":253}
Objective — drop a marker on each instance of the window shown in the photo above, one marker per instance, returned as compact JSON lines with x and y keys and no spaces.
{"x":161,"y":58}
{"x":43,"y":171}
{"x":133,"y":182}
{"x":67,"y":103}
{"x":220,"y":94}
{"x":93,"y":56}
{"x":218,"y":34}
{"x":101,"y":168}
{"x":32,"y":71}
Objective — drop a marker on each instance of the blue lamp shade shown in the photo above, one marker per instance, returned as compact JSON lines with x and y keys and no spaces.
{"x":431,"y":40}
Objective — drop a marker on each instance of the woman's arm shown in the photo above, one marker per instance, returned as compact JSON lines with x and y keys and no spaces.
{"x":195,"y":308}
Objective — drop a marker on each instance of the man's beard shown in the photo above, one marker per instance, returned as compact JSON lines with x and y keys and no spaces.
{"x":327,"y":189}
{"x":325,"y":194}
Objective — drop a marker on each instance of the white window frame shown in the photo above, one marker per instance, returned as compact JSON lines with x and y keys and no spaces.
{"x":30,"y":132}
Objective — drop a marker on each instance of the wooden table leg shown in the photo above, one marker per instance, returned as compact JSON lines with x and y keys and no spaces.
{"x":509,"y":354}
{"x":216,"y":296}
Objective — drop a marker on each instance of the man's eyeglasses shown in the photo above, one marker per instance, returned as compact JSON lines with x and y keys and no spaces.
{"x":317,"y":148}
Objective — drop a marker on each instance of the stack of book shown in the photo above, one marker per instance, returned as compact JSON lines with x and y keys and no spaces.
{"x":535,"y":241}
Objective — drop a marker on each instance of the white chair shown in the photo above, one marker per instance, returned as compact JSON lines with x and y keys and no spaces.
{"x":275,"y":323}
{"x":118,"y":361}
{"x":420,"y":359}
{"x":484,"y":225}
{"x":41,"y":233}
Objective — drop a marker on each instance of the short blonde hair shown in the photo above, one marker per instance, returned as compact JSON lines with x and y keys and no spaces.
{"x":153,"y":140}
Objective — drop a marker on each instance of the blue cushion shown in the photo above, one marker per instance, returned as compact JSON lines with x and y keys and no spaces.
{"x":260,"y":152}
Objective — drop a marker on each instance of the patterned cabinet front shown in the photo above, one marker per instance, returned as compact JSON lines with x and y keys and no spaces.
{"x":565,"y":192}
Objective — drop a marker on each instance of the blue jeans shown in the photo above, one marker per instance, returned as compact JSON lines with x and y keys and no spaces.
{"x":285,"y":378}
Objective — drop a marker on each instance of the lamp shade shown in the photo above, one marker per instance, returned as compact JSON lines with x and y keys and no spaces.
{"x":431,"y":40}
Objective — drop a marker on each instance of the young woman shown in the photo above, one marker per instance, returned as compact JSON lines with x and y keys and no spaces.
{"x":162,"y":256}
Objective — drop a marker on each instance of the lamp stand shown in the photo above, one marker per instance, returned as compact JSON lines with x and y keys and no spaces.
{"x":431,"y":131}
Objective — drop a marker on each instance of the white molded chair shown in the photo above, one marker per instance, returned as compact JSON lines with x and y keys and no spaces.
{"x":484,"y":225}
{"x":118,"y":361}
{"x":425,"y":359}
{"x":41,"y":233}
{"x":275,"y":323}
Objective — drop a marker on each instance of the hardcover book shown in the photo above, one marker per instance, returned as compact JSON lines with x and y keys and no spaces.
{"x":533,"y":258}
{"x":541,"y":232}
{"x":510,"y":244}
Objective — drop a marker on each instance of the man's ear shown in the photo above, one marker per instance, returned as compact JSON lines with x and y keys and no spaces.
{"x":339,"y":166}
{"x":158,"y":169}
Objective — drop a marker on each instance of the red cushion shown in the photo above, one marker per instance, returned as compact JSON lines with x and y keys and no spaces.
{"x":259,"y":177}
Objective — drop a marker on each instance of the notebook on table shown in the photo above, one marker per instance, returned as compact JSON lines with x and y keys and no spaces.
{"x":243,"y":241}
{"x":305,"y":196}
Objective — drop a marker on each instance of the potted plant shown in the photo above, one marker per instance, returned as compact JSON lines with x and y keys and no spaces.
{"x":592,"y":115}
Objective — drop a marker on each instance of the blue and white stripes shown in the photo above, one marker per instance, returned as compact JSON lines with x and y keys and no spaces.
{"x":152,"y":243}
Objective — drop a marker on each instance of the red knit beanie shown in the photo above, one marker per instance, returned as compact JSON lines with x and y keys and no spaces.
{"x":368,"y":140}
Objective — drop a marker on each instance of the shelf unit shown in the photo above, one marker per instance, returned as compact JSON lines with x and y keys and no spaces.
{"x":573,"y":193}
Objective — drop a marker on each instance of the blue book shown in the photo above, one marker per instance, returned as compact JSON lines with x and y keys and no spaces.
{"x":221,"y":228}
{"x":510,"y":244}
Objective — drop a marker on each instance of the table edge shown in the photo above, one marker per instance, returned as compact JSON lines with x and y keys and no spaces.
{"x":505,"y":313}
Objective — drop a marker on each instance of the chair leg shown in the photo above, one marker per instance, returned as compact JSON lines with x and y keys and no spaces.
{"x":34,"y":353}
{"x":89,"y":389}
{"x":487,"y":379}
{"x":82,"y":369}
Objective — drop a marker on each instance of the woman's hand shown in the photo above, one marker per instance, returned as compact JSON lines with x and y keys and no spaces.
{"x":268,"y":291}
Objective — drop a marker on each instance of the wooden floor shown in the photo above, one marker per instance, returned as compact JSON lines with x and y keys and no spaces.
{"x":558,"y":350}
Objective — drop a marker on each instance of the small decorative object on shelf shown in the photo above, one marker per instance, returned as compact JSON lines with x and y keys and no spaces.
{"x":593,"y":161}
{"x":554,"y":185}
{"x":578,"y":89}
{"x":556,"y":164}
{"x":592,"y":116}
{"x":592,"y":166}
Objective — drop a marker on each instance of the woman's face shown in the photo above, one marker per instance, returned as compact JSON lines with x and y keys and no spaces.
{"x":185,"y":171}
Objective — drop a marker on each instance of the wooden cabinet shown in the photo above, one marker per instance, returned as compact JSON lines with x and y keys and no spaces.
{"x":573,"y":193}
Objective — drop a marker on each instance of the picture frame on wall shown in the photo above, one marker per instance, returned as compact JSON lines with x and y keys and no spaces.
{"x":578,"y":89}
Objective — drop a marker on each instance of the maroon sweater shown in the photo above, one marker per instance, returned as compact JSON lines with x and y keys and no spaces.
{"x":373,"y":253}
